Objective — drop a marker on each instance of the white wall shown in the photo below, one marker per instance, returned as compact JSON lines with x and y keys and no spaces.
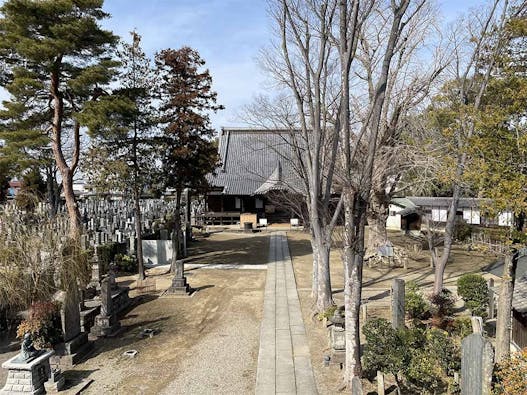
{"x":472,"y":216}
{"x":505,"y":219}
{"x":439,"y":214}
{"x":393,"y":222}
{"x":157,"y":252}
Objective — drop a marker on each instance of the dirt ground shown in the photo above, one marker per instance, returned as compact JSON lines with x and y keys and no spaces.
{"x":376,"y":290}
{"x":207,"y":343}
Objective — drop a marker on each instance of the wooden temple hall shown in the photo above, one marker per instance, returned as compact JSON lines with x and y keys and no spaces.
{"x":254,"y":179}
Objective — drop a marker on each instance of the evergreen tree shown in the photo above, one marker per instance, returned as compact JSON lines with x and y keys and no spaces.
{"x":187,"y":150}
{"x":56,"y":57}
{"x":122,"y":156}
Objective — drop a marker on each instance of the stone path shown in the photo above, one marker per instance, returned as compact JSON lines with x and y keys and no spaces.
{"x":284,"y":363}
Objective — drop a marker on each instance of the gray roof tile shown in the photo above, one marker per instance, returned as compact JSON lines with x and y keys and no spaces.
{"x":250,"y":157}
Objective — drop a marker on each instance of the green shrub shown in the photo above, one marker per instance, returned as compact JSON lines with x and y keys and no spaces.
{"x":474,"y":291}
{"x":511,"y":374}
{"x":415,"y":303}
{"x":460,"y":327}
{"x":384,"y":349}
{"x":432,"y":365}
{"x":125,"y":263}
{"x":106,"y":253}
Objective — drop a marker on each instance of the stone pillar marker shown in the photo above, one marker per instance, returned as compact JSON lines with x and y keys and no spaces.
{"x":380,"y":383}
{"x":398,"y":303}
{"x":491,"y":299}
{"x":70,"y":315}
{"x":476,"y":365}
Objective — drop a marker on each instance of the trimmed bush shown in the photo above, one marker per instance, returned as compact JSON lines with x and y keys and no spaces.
{"x":460,"y":327}
{"x":432,"y":364}
{"x":462,"y":230}
{"x":475,"y":292}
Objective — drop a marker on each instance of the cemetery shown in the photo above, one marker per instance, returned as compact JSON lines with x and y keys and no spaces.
{"x":360,"y":227}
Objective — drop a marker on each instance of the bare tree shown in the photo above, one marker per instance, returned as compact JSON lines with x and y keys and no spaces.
{"x":408,"y":88}
{"x":360,"y":143}
{"x":303,"y":62}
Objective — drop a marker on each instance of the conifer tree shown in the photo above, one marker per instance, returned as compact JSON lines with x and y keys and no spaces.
{"x":187,"y":150}
{"x":56,"y":59}
{"x":121,"y":127}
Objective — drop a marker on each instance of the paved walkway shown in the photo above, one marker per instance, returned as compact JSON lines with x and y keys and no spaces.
{"x":284,"y":363}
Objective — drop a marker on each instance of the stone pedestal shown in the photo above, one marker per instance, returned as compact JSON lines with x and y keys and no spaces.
{"x":27,"y":377}
{"x":179,"y":287}
{"x":105,"y":325}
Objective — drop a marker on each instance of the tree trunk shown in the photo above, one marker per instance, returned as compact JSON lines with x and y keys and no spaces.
{"x":377,"y":216}
{"x":353,"y":254}
{"x":139,"y":235}
{"x":314,"y":282}
{"x":324,"y":292}
{"x":440,"y":264}
{"x":56,"y":145}
{"x":503,"y":320}
{"x":71,"y":203}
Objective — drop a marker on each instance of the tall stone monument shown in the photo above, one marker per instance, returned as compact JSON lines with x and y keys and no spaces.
{"x":398,"y":295}
{"x":476,"y":365}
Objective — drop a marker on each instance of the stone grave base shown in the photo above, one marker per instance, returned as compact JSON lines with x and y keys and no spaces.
{"x":105,"y":326}
{"x":71,"y":352}
{"x":27,"y":377}
{"x":56,"y":381}
{"x":120,"y":299}
{"x":179,"y":287}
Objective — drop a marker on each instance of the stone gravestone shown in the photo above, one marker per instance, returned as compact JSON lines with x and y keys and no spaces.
{"x":75,"y":344}
{"x":106,"y":322}
{"x":476,"y":365}
{"x":398,"y":303}
{"x":70,"y":315}
{"x":179,"y":284}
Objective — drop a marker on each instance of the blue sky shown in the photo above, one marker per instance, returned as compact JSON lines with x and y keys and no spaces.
{"x":227,"y":33}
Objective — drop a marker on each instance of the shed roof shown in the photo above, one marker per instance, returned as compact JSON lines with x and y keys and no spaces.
{"x":446,"y":201}
{"x":255,"y":161}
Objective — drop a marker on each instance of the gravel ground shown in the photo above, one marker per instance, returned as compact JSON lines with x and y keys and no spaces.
{"x":224,"y":362}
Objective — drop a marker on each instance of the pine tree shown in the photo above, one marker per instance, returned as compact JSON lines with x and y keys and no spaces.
{"x":121,"y":127}
{"x":187,"y":150}
{"x":56,"y":56}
